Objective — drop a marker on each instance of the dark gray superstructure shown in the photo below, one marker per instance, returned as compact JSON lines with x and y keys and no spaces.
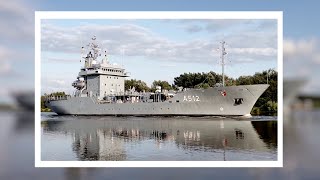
{"x":100,"y":91}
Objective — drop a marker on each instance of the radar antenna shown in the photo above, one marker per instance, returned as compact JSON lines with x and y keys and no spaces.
{"x":93,"y":52}
{"x":95,"y":47}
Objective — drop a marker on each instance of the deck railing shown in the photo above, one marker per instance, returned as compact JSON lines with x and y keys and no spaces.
{"x":57,"y":98}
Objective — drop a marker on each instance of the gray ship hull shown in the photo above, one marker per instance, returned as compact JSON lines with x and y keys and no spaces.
{"x":236,"y":101}
{"x":291,"y":88}
{"x":25,"y":100}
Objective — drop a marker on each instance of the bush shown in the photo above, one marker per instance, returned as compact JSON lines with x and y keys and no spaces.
{"x":270,"y":106}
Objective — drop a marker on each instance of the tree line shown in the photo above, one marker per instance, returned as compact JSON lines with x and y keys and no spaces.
{"x":210,"y":79}
{"x":44,"y":108}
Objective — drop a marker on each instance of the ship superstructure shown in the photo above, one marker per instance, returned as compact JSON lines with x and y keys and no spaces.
{"x":99,"y":79}
{"x":100,"y":90}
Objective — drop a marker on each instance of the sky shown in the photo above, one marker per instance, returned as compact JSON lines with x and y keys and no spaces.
{"x":157,"y":49}
{"x":301,"y":32}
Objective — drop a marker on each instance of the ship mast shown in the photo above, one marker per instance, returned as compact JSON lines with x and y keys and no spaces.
{"x":93,"y":54}
{"x":223,"y":53}
{"x":95,"y":48}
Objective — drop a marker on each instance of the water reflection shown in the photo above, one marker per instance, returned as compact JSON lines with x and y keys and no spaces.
{"x":301,"y":157}
{"x":134,"y":138}
{"x":267,"y":131}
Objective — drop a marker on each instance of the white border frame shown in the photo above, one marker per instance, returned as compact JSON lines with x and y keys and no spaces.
{"x":39,"y":15}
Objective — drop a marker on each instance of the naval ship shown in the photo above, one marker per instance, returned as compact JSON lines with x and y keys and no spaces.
{"x":100,"y":90}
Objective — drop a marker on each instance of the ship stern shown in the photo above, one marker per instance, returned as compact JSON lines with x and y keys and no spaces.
{"x":56,"y":107}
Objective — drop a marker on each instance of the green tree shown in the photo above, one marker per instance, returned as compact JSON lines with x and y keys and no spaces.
{"x":164,"y":85}
{"x":44,"y":108}
{"x":139,"y":85}
{"x":268,"y":100}
{"x":201,"y":80}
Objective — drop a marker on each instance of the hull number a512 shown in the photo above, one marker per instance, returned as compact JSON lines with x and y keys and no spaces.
{"x":191,"y":98}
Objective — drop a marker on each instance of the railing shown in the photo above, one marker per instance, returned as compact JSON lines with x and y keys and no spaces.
{"x":57,"y":98}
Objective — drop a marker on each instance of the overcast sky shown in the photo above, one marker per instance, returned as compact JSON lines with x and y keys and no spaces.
{"x":301,"y":37}
{"x":157,"y":49}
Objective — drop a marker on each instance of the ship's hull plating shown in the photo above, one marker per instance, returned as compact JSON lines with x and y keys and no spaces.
{"x":237,"y":100}
{"x":291,"y":89}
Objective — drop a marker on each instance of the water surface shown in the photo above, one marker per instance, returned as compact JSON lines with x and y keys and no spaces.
{"x":157,"y":138}
{"x":301,"y":156}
